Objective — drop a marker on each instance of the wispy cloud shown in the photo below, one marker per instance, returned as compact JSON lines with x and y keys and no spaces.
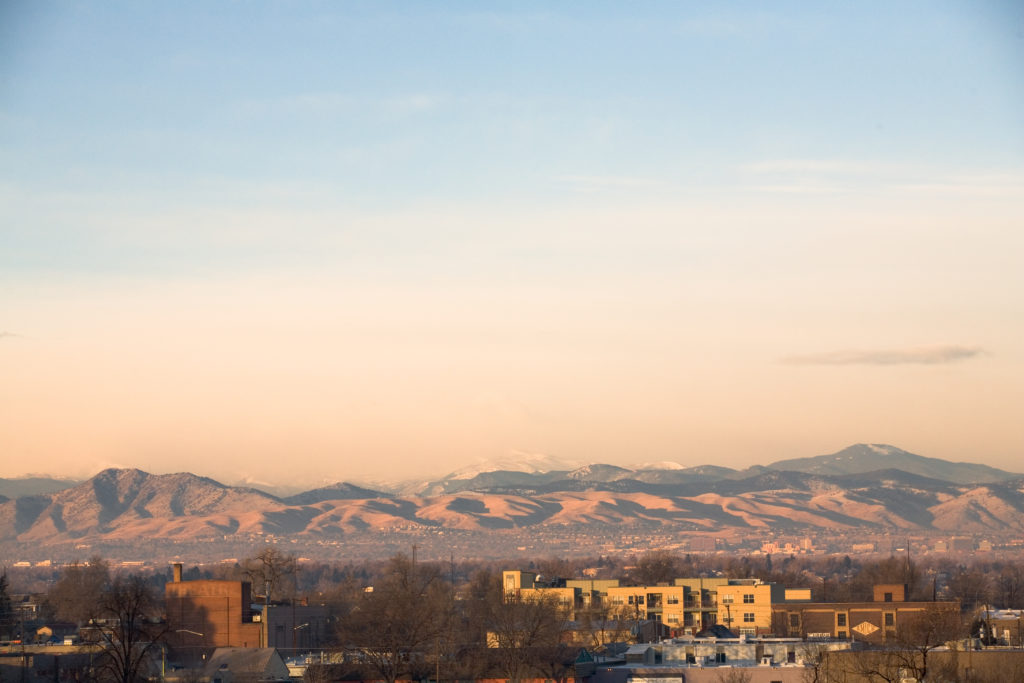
{"x":931,"y":355}
{"x":710,"y":26}
{"x":8,"y":334}
{"x":986,"y":184}
{"x":811,"y":166}
{"x":835,"y":175}
{"x":811,"y":176}
{"x":590,"y":183}
{"x":336,"y":103}
{"x":797,"y":188}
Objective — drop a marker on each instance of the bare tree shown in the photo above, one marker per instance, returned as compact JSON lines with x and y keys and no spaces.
{"x":271,"y":571}
{"x":527,"y":634}
{"x":821,"y":665}
{"x":973,"y":587}
{"x":604,"y":624}
{"x":656,"y":566}
{"x":921,"y":634}
{"x":877,"y":665}
{"x":908,"y":655}
{"x":132,"y":629}
{"x":734,"y":676}
{"x":1009,"y":586}
{"x":73,"y":597}
{"x":393,"y":626}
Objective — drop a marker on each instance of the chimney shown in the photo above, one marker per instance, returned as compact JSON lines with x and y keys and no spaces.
{"x":177,"y":572}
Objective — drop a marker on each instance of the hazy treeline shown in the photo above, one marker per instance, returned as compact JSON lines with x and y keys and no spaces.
{"x":974,"y":582}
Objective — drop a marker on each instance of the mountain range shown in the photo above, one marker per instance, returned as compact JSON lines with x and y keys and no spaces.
{"x":861,"y":487}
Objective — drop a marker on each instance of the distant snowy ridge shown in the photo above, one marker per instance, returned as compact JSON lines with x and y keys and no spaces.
{"x":663,"y":465}
{"x":516,"y":461}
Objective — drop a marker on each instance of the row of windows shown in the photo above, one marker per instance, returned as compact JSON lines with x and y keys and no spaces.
{"x":748,"y":599}
{"x":794,"y":619}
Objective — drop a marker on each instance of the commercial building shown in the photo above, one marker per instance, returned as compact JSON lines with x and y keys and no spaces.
{"x":211,"y":613}
{"x":877,"y":621}
{"x":214,"y":613}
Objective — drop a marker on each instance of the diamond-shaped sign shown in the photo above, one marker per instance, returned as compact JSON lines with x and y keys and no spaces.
{"x":865,"y":628}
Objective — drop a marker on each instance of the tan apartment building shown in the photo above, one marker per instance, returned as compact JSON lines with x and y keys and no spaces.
{"x":746,"y":608}
{"x":685,"y":606}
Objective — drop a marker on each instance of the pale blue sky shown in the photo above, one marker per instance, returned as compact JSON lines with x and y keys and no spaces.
{"x":667,"y":194}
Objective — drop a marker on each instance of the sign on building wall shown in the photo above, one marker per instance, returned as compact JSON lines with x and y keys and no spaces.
{"x":865,"y":628}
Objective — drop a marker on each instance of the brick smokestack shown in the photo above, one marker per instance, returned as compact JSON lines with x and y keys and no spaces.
{"x":177,"y":572}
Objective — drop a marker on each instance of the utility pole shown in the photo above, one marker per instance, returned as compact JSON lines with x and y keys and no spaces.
{"x":266,"y":614}
{"x":24,"y":657}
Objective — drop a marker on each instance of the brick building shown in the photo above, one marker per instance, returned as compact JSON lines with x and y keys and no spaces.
{"x":876,"y":621}
{"x":209,"y":613}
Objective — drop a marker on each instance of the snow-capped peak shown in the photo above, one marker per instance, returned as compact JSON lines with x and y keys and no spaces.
{"x":515,"y":461}
{"x":663,"y":465}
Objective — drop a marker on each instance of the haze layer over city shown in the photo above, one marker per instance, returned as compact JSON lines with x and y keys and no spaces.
{"x":309,"y":243}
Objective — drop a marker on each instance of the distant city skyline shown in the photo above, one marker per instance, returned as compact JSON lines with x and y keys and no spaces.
{"x":385,"y":241}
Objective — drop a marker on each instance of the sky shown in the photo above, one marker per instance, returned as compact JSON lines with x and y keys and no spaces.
{"x":320,"y":241}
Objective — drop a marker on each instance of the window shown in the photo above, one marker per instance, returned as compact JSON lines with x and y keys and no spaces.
{"x":794,"y":620}
{"x":887,"y":597}
{"x":727,"y":599}
{"x":748,"y":598}
{"x":840,"y":634}
{"x":673,"y":618}
{"x":672,"y":599}
{"x":840,"y":619}
{"x":888,"y":618}
{"x":748,"y":617}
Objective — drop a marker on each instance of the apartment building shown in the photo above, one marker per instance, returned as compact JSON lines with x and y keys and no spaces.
{"x":687,"y":605}
{"x":745,"y":606}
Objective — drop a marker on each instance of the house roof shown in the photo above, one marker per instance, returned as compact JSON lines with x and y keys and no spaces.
{"x":262,"y":662}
